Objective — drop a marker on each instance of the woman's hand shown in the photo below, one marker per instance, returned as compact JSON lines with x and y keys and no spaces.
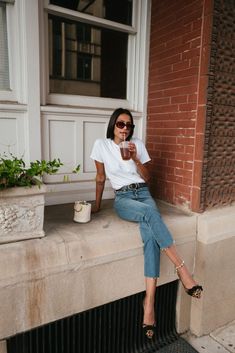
{"x":95,"y":209}
{"x":133,"y":151}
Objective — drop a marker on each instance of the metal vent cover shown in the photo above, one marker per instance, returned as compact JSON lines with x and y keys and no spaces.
{"x":110,"y":328}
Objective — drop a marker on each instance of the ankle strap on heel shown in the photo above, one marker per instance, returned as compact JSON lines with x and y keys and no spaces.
{"x":179,"y":267}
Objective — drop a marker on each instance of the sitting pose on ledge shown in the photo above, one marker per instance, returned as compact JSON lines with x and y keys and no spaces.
{"x":133,"y":202}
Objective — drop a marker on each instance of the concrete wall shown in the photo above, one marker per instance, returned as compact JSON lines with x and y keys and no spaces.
{"x":215,"y":264}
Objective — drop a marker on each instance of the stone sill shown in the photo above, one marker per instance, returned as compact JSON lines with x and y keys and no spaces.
{"x":76,"y":246}
{"x":77,"y":267}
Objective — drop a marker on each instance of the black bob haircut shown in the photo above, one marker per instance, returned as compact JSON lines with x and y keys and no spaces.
{"x":112,"y":121}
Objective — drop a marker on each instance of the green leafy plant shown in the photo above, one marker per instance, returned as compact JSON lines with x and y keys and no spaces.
{"x":13,"y":171}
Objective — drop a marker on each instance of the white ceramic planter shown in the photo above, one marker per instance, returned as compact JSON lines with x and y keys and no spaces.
{"x":21,"y":213}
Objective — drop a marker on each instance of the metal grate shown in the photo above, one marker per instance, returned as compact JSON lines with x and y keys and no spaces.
{"x":111,"y":328}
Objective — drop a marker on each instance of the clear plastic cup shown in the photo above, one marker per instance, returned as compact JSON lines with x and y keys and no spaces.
{"x":125,"y":153}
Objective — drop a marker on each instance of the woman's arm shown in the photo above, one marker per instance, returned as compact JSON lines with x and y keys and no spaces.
{"x":142,"y":170}
{"x":100,"y":181}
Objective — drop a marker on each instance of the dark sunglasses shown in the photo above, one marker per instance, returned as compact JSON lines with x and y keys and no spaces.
{"x":122,"y":124}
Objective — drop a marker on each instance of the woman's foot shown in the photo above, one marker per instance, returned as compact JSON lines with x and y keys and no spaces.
{"x":149,"y":323}
{"x":190,"y":286}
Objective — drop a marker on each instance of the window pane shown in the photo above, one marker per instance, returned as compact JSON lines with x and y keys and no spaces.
{"x":87,"y":60}
{"x":4,"y":65}
{"x":113,"y":10}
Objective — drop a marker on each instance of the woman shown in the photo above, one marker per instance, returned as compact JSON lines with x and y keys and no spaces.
{"x":133,"y":202}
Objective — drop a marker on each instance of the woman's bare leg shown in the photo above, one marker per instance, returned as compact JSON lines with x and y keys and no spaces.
{"x":185,"y":276}
{"x":149,"y":301}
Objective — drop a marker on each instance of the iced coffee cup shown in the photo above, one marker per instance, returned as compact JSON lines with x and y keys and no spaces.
{"x":124,"y":149}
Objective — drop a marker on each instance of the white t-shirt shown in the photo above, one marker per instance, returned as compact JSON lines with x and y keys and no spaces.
{"x":119,"y":172}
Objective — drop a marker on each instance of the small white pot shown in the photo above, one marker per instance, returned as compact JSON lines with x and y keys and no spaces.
{"x":82,"y":212}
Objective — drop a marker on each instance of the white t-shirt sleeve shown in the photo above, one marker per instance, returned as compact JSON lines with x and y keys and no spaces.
{"x":142,"y":152}
{"x":96,"y":153}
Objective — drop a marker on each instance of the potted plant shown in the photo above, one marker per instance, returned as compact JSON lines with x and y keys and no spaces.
{"x":22,"y":197}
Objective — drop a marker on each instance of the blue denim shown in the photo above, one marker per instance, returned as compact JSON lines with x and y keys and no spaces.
{"x":139,"y":206}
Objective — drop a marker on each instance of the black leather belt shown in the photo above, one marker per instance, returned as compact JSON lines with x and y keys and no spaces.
{"x":133,"y":186}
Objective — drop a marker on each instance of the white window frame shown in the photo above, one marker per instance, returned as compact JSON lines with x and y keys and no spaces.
{"x":13,"y":41}
{"x":136,"y":66}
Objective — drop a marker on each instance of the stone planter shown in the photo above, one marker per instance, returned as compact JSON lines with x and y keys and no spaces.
{"x":21,"y":213}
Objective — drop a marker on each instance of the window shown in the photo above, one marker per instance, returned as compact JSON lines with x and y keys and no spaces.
{"x":113,"y":10}
{"x":96,"y":52}
{"x":85,"y":61}
{"x":4,"y":63}
{"x":10,"y":63}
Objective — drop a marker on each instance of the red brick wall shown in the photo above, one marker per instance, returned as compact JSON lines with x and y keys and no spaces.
{"x":176,"y":57}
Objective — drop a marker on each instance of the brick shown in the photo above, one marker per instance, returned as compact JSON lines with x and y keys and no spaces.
{"x":165,"y":61}
{"x":185,"y":123}
{"x":189,"y":149}
{"x":192,"y":98}
{"x":164,"y":124}
{"x":169,"y":155}
{"x":196,"y":196}
{"x":159,"y":116}
{"x":188,"y":174}
{"x":174,"y":42}
{"x":195,"y":43}
{"x":197,"y":173}
{"x":151,"y":138}
{"x":182,"y":65}
{"x":185,"y":141}
{"x":201,"y":119}
{"x":197,"y":14}
{"x":160,"y":161}
{"x":163,"y":108}
{"x":149,"y":146}
{"x":182,"y":189}
{"x":202,"y":93}
{"x":179,"y":99}
{"x":190,"y":36}
{"x":173,"y":51}
{"x":168,"y":147}
{"x":177,"y":83}
{"x":197,"y":24}
{"x":155,"y":94}
{"x":187,"y":107}
{"x":155,"y":154}
{"x":169,"y":170}
{"x":169,"y":31}
{"x":181,"y":198}
{"x":188,"y":165}
{"x":205,"y":60}
{"x":186,"y":181}
{"x":199,"y":147}
{"x":194,"y":62}
{"x":160,"y":173}
{"x":162,"y":70}
{"x":173,"y":91}
{"x":191,"y":53}
{"x":184,"y":156}
{"x":178,"y":74}
{"x":174,"y":178}
{"x":174,"y":163}
{"x":207,"y":30}
{"x":168,"y":139}
{"x":159,"y":101}
{"x":188,"y":132}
